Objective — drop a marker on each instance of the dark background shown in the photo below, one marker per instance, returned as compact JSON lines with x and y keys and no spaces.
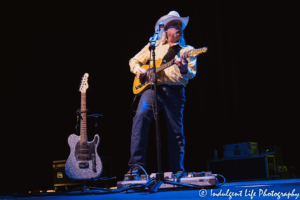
{"x":245,"y":88}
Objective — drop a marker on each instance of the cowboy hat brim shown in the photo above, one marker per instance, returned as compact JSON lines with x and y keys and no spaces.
{"x":167,"y":18}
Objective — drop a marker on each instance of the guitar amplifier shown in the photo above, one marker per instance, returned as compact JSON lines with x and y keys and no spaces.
{"x":60,"y":178}
{"x":239,"y":150}
{"x":62,"y":181}
{"x":258,"y":167}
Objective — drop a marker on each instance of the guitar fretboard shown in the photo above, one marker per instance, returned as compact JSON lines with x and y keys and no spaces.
{"x":83,"y":133}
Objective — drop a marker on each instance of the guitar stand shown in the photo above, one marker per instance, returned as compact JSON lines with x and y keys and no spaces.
{"x":79,"y":112}
{"x":82,"y":188}
{"x":96,"y":117}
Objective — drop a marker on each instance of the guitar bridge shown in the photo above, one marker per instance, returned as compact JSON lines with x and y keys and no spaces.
{"x":83,"y":165}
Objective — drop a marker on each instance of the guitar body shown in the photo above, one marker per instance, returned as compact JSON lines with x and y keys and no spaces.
{"x":83,"y":162}
{"x":139,"y":85}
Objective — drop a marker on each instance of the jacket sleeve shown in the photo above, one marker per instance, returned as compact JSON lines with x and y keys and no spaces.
{"x":139,"y":59}
{"x":192,"y":65}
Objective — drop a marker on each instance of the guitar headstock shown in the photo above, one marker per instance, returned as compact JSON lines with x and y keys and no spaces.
{"x":84,"y":83}
{"x":197,"y":52}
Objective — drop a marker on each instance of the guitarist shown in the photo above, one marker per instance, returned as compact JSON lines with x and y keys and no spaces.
{"x":170,"y":92}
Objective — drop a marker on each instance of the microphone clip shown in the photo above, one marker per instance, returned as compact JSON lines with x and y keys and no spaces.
{"x":96,"y":117}
{"x":155,"y":37}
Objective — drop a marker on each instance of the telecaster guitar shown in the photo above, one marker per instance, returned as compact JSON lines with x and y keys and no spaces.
{"x":83,"y":162}
{"x":139,"y":85}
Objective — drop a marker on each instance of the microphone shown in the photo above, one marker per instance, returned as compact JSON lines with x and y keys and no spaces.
{"x":155,"y":36}
{"x":161,"y":25}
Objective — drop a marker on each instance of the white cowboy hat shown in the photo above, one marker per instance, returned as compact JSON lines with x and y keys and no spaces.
{"x":173,"y":15}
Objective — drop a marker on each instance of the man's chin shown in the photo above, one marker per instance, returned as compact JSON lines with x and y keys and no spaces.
{"x":178,"y":38}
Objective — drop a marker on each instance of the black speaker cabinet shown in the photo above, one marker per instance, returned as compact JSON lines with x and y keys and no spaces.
{"x":248,"y":168}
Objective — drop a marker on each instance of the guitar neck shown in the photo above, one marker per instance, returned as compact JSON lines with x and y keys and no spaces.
{"x":83,"y":130}
{"x":171,"y":62}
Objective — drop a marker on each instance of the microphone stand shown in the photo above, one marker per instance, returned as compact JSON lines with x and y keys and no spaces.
{"x":160,"y":175}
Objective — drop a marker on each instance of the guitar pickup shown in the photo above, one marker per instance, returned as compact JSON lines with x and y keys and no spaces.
{"x":83,"y":165}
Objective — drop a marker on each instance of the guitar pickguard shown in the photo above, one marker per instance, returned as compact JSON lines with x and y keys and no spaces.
{"x":147,"y":79}
{"x":84,"y":152}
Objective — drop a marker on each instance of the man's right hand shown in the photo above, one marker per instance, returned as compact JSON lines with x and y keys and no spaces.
{"x":140,"y":72}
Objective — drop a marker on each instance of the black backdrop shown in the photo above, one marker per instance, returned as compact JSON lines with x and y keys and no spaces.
{"x":245,"y":88}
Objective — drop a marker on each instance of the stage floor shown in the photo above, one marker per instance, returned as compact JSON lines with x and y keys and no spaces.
{"x":270,"y":189}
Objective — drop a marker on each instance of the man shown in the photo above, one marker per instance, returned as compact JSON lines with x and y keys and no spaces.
{"x":170,"y":93}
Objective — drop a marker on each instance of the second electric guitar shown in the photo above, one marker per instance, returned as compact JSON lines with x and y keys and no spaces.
{"x":139,"y":85}
{"x":84,"y":162}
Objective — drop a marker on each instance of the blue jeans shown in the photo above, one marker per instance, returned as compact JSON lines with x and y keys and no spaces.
{"x":171,"y":100}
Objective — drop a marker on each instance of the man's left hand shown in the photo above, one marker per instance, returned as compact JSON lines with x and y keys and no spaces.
{"x":182,"y":63}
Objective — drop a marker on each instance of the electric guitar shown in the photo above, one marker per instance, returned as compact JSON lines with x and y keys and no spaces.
{"x":84,"y":162}
{"x":143,"y":83}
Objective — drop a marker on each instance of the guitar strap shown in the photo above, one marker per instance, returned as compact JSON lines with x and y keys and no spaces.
{"x":172,"y":52}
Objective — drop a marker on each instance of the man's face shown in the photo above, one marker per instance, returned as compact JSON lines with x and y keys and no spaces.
{"x":174,"y":30}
